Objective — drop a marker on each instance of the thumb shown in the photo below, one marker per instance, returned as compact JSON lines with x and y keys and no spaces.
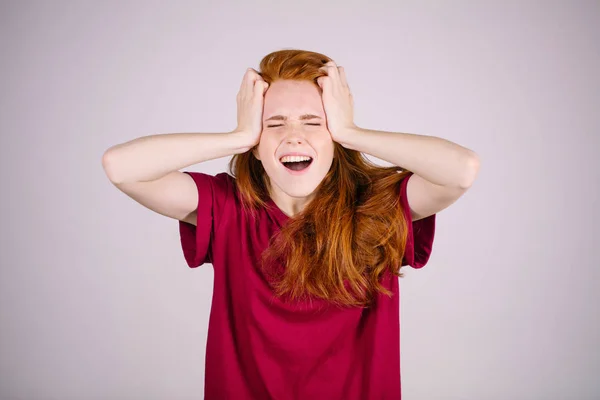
{"x":321,"y":81}
{"x":265,"y":86}
{"x":260,"y":87}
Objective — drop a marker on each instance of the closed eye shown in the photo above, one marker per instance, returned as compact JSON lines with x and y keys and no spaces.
{"x":273,"y":126}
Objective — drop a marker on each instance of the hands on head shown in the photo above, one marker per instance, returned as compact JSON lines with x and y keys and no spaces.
{"x":250,"y":101}
{"x":336,"y":95}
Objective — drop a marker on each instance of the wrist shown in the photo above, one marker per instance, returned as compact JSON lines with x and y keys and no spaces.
{"x":349,"y":137}
{"x":242,"y":141}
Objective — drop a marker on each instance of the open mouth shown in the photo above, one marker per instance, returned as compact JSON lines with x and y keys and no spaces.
{"x":296,"y":163}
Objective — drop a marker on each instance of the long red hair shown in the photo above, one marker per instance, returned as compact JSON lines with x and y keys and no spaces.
{"x":350,"y":234}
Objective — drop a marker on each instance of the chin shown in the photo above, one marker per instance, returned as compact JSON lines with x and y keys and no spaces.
{"x":300,"y":193}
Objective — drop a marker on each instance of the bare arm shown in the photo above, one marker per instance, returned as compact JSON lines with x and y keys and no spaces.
{"x":149,"y":158}
{"x":147,"y":168}
{"x":443,"y":170}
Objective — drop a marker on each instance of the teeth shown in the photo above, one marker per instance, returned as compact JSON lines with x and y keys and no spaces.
{"x":295,"y":159}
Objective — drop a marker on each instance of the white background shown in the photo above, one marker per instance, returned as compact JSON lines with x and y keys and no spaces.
{"x":96,"y":301}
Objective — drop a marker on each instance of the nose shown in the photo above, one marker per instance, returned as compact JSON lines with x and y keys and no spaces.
{"x":294,"y":136}
{"x":294,"y":140}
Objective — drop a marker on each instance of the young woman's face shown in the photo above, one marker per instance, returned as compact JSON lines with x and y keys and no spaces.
{"x":294,"y":123}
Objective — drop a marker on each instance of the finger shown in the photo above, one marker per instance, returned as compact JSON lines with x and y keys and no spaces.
{"x":244,"y":83}
{"x":250,"y":77}
{"x":322,"y":81}
{"x":260,"y":87}
{"x":331,"y":70}
{"x":342,"y":74}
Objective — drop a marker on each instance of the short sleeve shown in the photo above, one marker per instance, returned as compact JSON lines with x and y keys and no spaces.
{"x":420,"y":233}
{"x":213,"y":195}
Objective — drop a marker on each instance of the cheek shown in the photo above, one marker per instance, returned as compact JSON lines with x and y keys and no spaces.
{"x":264,"y":144}
{"x":266,"y":150}
{"x":327,"y":146}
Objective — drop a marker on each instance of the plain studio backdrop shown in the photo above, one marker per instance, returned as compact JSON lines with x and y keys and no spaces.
{"x":96,"y":301}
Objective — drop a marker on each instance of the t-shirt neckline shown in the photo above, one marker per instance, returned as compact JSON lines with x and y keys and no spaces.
{"x":281,"y":216}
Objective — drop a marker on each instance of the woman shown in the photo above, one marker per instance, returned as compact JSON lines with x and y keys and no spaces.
{"x":306,"y":238}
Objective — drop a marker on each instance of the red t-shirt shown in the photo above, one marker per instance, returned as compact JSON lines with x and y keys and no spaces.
{"x":259,"y":347}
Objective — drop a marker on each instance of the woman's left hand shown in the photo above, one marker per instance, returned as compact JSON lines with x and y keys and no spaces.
{"x":337,"y":101}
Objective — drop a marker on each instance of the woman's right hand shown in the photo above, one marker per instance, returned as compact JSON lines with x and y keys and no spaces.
{"x":250,"y":100}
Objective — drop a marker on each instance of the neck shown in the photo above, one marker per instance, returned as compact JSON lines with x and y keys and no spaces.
{"x":289,"y":205}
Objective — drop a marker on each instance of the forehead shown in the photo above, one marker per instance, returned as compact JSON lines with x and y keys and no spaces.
{"x":293,"y":97}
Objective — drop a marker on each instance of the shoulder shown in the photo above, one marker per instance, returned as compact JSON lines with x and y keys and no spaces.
{"x":216,"y":192}
{"x":226,"y":182}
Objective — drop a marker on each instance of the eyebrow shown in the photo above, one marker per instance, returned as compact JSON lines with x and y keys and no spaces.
{"x":284,"y":118}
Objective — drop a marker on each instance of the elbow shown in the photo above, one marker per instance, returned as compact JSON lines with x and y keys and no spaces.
{"x":470,"y":170}
{"x":108,"y":166}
